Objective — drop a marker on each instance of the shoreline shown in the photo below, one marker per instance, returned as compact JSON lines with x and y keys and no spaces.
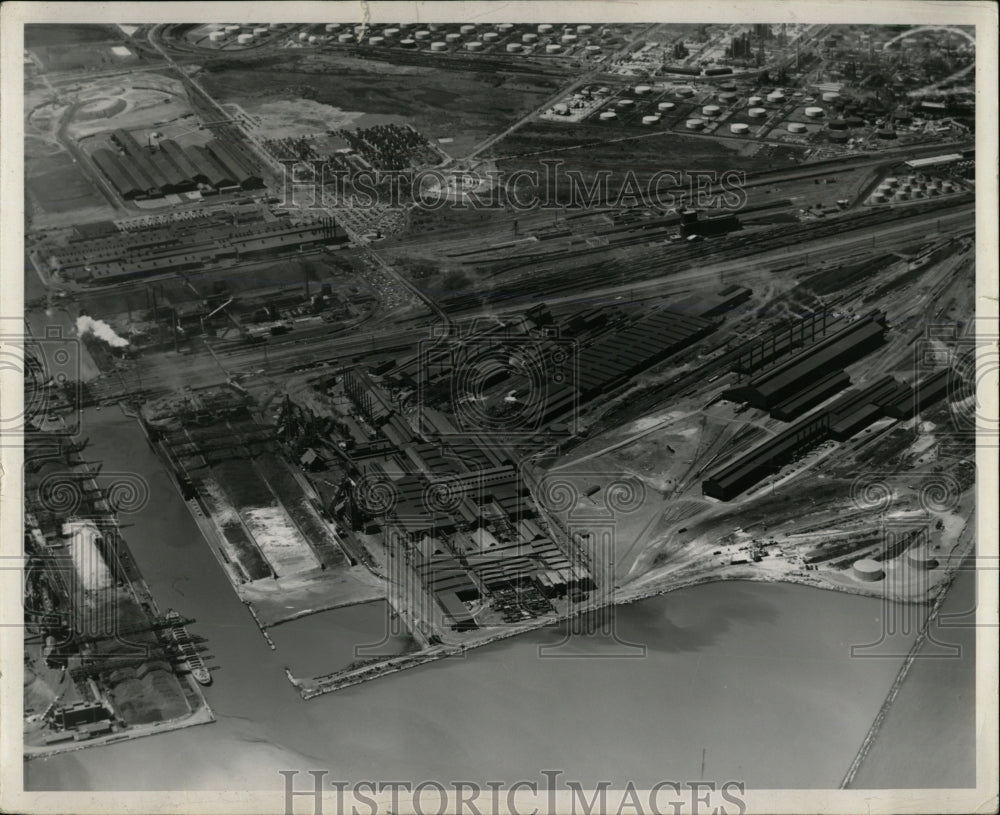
{"x":328,"y":683}
{"x":202,"y":715}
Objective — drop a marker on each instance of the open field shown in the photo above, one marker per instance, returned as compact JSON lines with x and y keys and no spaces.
{"x":463,"y":105}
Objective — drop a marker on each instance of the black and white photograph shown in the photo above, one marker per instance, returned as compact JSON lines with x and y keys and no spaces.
{"x":485,"y":407}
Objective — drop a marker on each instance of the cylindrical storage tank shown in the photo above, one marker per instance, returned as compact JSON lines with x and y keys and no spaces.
{"x":504,"y":28}
{"x":273,"y":26}
{"x":651,"y":119}
{"x":837,"y":124}
{"x":453,"y":37}
{"x":345,"y":38}
{"x":642,"y":90}
{"x":685,"y":92}
{"x":408,"y":42}
{"x":933,"y":191}
{"x":727,"y":86}
{"x":553,"y":48}
{"x":755,"y":100}
{"x":626,"y":103}
{"x":544,"y":28}
{"x":837,"y":136}
{"x":739,"y":128}
{"x":261,"y":29}
{"x":303,"y":36}
{"x":390,"y":33}
{"x":814,"y":112}
{"x":878,"y":198}
{"x":359,"y":30}
{"x":831,"y":96}
{"x":666,"y":106}
{"x":567,"y":39}
{"x":593,"y":49}
{"x":902,"y":196}
{"x":246,"y":39}
{"x":711,"y":110}
{"x":467,"y":29}
{"x":868,"y":570}
{"x":438,"y":46}
{"x":475,"y":45}
{"x":232,"y":29}
{"x":886,"y":133}
{"x":757,"y":113}
{"x":491,"y":36}
{"x":608,"y":115}
{"x":892,"y":181}
{"x":331,"y":27}
{"x":796,"y":127}
{"x":854,"y":121}
{"x":422,"y":34}
{"x":217,"y":36}
{"x":584,"y":29}
{"x":513,"y":47}
{"x":694,"y":124}
{"x":434,"y":26}
{"x":376,"y":40}
{"x":529,"y":37}
{"x":727,"y":97}
{"x":775,"y":97}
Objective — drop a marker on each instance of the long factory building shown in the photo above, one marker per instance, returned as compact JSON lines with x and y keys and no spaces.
{"x":613,"y":360}
{"x":136,"y":171}
{"x":806,"y":368}
{"x":845,"y":417}
{"x":171,"y":250}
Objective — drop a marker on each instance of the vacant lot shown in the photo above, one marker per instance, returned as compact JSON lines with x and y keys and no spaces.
{"x":463,"y":105}
{"x":57,"y":185}
{"x":590,"y":149}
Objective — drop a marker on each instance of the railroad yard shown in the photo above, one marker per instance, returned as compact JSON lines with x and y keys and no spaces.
{"x":715,"y":320}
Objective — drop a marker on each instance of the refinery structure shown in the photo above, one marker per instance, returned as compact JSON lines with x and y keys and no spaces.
{"x":724,"y":272}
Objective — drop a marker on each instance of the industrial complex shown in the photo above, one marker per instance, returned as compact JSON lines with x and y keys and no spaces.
{"x":498,"y":325}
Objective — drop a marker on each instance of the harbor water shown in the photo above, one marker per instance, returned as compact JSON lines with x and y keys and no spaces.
{"x":738,"y":681}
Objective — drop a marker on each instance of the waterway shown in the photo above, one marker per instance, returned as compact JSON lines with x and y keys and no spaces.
{"x":756,"y":680}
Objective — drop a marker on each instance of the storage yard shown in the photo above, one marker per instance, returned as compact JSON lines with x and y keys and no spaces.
{"x":670,"y":366}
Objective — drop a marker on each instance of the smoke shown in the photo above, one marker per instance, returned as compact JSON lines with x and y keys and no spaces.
{"x":100,"y":329}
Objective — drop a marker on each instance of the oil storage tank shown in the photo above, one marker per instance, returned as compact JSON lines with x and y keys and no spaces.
{"x":869,"y":570}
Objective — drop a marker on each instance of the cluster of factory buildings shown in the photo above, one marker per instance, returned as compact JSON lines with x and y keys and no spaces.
{"x":164,"y":167}
{"x":180,"y":247}
{"x":453,"y":509}
{"x":806,"y":378}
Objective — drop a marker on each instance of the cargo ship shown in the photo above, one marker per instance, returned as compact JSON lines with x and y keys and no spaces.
{"x":186,"y":650}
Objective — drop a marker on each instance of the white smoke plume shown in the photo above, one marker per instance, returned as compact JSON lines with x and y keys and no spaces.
{"x":100,"y":329}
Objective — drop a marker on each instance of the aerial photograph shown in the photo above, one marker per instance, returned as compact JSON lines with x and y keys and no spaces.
{"x":438,"y":412}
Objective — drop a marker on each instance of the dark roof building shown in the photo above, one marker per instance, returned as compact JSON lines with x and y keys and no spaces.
{"x":179,"y":158}
{"x":767,"y":458}
{"x":108,"y":163}
{"x":806,"y":368}
{"x":175,"y":179}
{"x":145,"y":181}
{"x":802,"y":401}
{"x":209,"y":171}
{"x":234,"y":164}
